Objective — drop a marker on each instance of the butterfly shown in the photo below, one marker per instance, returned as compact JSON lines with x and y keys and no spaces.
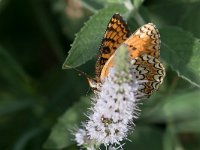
{"x":144,"y":50}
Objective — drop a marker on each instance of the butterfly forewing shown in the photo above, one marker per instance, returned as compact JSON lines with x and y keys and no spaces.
{"x":145,"y":40}
{"x":116,"y":33}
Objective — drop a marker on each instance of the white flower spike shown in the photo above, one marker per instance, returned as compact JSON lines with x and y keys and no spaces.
{"x":114,"y":106}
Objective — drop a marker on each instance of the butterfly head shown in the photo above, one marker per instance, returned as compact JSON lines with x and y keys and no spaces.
{"x":94,"y":83}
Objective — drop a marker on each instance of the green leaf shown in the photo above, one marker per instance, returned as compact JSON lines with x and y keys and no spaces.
{"x":13,"y":75}
{"x":182,"y":52}
{"x":137,"y":3}
{"x":145,"y":137}
{"x":182,"y":106}
{"x":191,"y":19}
{"x":72,"y":22}
{"x":87,"y":41}
{"x":3,"y":4}
{"x":26,"y":137}
{"x":161,"y":11}
{"x":61,"y":134}
{"x":43,"y":18}
{"x":170,"y":139}
{"x":188,"y":126}
{"x":9,"y":67}
{"x":10,"y":105}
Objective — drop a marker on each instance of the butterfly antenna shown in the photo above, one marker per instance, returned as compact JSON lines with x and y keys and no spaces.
{"x":88,"y":91}
{"x":81,"y":73}
{"x":89,"y":79}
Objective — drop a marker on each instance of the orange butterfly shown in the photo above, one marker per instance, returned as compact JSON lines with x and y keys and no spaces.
{"x":144,"y":50}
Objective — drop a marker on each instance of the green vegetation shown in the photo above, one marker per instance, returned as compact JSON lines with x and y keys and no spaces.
{"x":40,"y":103}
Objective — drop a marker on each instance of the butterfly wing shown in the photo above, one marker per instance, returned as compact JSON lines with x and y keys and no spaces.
{"x":144,"y":50}
{"x":116,"y":33}
{"x":145,"y":40}
{"x":149,"y":72}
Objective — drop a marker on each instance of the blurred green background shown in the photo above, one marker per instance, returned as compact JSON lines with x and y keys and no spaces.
{"x":35,"y":37}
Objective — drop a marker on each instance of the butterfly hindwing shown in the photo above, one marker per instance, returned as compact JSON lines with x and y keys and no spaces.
{"x":149,"y":72}
{"x":116,"y":33}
